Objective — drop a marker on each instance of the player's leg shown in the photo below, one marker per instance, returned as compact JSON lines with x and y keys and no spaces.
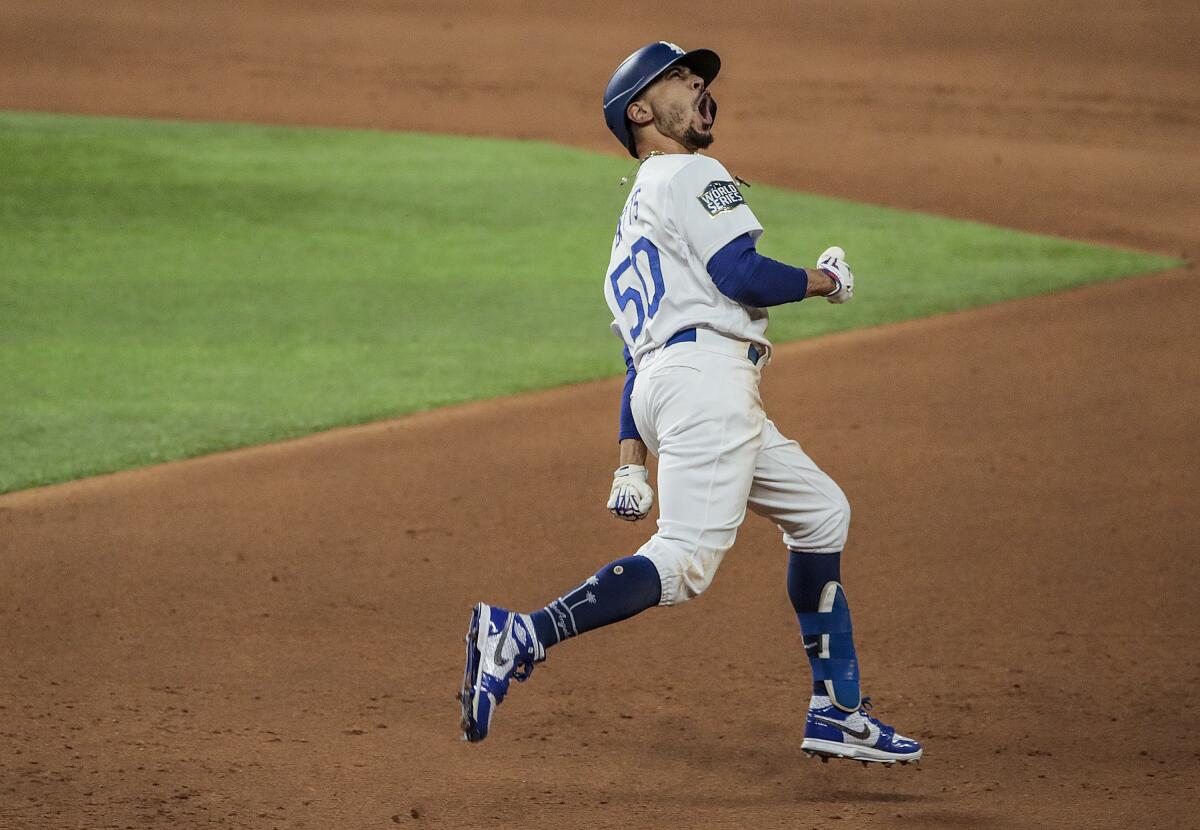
{"x":701,"y":415}
{"x":504,"y":645}
{"x":814,"y":515}
{"x":700,"y":412}
{"x":811,"y":510}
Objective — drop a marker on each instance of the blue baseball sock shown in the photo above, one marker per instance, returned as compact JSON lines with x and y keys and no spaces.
{"x":807,"y":575}
{"x":618,"y":591}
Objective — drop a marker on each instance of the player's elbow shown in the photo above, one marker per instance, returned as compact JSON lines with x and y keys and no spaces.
{"x":732,"y":271}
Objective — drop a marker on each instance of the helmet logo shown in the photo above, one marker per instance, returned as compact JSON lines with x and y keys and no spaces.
{"x":672,"y":46}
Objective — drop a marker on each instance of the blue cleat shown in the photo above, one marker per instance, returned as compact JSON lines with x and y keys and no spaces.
{"x":501,"y":647}
{"x":833,"y":733}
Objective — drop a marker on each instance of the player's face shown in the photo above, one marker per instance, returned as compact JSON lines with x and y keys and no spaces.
{"x":683,"y":108}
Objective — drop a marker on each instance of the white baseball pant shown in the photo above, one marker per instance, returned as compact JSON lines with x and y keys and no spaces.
{"x":697,"y":407}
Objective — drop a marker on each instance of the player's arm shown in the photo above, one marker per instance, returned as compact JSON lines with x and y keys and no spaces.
{"x":633,"y":451}
{"x":631,"y":496}
{"x":743,"y":274}
{"x":707,"y":208}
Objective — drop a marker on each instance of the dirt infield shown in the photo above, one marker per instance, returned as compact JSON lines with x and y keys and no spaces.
{"x":272,"y":638}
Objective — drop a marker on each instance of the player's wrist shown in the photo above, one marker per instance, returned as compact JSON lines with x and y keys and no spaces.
{"x":631,"y":471}
{"x":820,"y":283}
{"x":833,"y":277}
{"x":633,"y":451}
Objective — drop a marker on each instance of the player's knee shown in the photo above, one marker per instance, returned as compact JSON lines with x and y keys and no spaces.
{"x":839,"y":518}
{"x":825,"y":529}
{"x":686,"y":571}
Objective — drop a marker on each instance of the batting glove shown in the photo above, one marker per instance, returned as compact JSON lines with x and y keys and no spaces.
{"x":833,"y":263}
{"x":631,"y":497}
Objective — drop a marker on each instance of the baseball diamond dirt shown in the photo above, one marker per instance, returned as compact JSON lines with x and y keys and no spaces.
{"x":272,"y":637}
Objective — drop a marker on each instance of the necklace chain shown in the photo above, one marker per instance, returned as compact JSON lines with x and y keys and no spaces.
{"x":641,"y":161}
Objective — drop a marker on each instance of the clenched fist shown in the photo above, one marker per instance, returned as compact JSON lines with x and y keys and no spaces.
{"x":833,"y":263}
{"x":631,"y":497}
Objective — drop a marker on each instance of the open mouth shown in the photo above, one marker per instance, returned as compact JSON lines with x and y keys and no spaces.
{"x":707,"y":107}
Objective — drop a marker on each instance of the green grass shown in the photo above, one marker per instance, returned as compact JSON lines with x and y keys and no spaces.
{"x":171,"y":289}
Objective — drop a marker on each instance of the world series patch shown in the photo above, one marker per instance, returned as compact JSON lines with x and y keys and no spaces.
{"x":719,"y":197}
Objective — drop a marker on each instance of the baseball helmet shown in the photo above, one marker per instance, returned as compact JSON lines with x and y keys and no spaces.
{"x":641,"y":69}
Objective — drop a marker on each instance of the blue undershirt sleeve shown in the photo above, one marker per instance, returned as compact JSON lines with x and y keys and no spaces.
{"x":743,"y":274}
{"x":628,"y":427}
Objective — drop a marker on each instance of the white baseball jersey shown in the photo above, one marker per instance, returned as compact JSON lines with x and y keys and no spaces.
{"x":683,"y":208}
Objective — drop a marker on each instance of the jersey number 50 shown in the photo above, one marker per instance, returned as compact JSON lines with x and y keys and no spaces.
{"x":638,"y":292}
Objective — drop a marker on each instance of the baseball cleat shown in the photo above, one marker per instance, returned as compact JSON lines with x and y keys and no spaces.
{"x":832,"y":733}
{"x":501,"y":647}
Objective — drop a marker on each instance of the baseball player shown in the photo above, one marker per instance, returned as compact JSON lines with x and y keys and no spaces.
{"x":688,"y":293}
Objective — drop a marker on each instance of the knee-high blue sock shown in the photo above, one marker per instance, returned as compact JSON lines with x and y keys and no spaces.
{"x":618,"y":591}
{"x":808,"y":574}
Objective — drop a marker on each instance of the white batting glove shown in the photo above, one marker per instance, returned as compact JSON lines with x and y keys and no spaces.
{"x":631,"y":497}
{"x":833,"y":263}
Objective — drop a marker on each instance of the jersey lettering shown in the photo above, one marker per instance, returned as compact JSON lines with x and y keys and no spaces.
{"x":629,"y":215}
{"x":645,"y":301}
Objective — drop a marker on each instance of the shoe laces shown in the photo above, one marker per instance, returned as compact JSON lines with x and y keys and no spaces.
{"x":885,"y":730}
{"x":522,"y":670}
{"x":522,"y":662}
{"x":865,"y":708}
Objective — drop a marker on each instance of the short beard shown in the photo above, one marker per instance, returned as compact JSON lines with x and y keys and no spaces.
{"x":678,"y":126}
{"x":696,"y":140}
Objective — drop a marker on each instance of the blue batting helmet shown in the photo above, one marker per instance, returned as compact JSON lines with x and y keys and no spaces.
{"x":641,"y":69}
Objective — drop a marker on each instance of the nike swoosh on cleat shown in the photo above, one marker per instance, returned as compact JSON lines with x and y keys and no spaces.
{"x":498,"y":656}
{"x":862,"y":734}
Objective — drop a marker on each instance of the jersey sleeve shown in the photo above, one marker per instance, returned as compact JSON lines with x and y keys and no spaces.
{"x":708,"y":208}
